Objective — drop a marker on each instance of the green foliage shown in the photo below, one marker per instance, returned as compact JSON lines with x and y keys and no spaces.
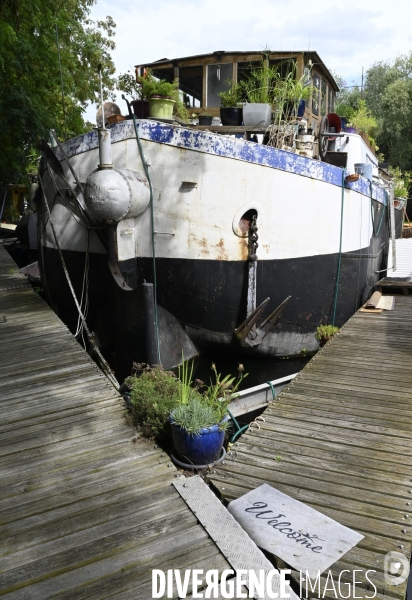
{"x":180,"y":108}
{"x":364,"y":121}
{"x":219,"y":393}
{"x":231,"y":97}
{"x":148,"y":87}
{"x":325,"y":332}
{"x":158,"y":87}
{"x":260,"y":83}
{"x":265,"y":84}
{"x":402,"y":181}
{"x":388,"y":92}
{"x":196,"y":415}
{"x":30,"y":93}
{"x":347,"y":99}
{"x":185,"y":375}
{"x":344,"y":110}
{"x":154,"y":393}
{"x":126,"y":83}
{"x":206,"y":404}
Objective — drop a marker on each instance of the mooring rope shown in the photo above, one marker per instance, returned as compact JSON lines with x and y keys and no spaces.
{"x":103,"y":364}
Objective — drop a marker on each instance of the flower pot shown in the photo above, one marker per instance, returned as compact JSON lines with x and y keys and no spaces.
{"x":257,"y":115}
{"x":204,"y":120}
{"x":115,"y":119}
{"x":161,"y":108}
{"x":301,"y":108}
{"x":140,"y":108}
{"x":231,"y":115}
{"x":202,"y":449}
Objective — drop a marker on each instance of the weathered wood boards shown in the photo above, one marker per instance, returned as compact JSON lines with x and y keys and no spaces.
{"x":338,"y":438}
{"x":84,"y":511}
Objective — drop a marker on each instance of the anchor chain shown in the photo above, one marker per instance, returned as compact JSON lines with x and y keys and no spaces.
{"x":253,"y":240}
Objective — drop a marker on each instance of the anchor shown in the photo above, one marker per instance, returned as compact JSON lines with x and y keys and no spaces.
{"x":249,"y":333}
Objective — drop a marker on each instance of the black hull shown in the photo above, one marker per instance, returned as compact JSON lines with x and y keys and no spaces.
{"x":208,"y":298}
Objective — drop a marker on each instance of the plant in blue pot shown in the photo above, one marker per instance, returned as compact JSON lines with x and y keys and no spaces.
{"x":201,"y":419}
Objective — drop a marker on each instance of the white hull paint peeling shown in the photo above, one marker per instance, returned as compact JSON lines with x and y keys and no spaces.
{"x":202,"y":185}
{"x":197,"y":196}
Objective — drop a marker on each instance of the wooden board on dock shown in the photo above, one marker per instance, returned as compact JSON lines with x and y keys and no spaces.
{"x":338,"y":438}
{"x":84,"y":511}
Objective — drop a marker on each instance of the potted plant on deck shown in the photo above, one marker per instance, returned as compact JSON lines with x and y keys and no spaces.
{"x":127,"y":84}
{"x":205,"y":118}
{"x":258,"y":90}
{"x":160,"y":94}
{"x":201,"y":419}
{"x":231,"y":112}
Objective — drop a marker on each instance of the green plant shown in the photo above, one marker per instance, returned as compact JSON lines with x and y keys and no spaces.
{"x":205,"y":405}
{"x":401,"y":180}
{"x":364,"y":121}
{"x":218,"y":394}
{"x":260,"y":83}
{"x":180,"y":108}
{"x":186,"y":391}
{"x":152,"y":87}
{"x":231,"y":97}
{"x":154,"y":393}
{"x":344,"y":110}
{"x":129,"y":85}
{"x":196,"y":415}
{"x":325,"y":332}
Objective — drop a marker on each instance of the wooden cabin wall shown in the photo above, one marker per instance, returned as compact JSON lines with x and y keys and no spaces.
{"x":300,"y":58}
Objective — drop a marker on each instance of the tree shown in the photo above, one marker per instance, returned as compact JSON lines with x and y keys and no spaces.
{"x":388,"y":93}
{"x":30,"y":92}
{"x":347,"y":99}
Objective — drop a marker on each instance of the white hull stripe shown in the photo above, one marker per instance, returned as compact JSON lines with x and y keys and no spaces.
{"x":229,"y":147}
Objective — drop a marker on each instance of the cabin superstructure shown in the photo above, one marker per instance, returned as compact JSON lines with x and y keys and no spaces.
{"x":203,"y":76}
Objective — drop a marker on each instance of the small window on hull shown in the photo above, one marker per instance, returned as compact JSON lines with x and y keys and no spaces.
{"x":246,"y":219}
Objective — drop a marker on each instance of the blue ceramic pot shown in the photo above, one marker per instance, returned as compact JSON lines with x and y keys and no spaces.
{"x":199,"y":449}
{"x":301,"y":108}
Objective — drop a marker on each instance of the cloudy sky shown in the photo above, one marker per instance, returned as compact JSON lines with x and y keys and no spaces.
{"x":348,"y":35}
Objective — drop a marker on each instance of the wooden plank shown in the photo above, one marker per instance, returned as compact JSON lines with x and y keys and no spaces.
{"x":84,"y":512}
{"x":338,"y":438}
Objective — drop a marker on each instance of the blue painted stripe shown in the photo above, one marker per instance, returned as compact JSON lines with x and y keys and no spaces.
{"x":229,"y":147}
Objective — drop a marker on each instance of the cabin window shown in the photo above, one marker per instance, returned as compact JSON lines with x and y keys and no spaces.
{"x":323,"y":97}
{"x":286,"y":67}
{"x":191,"y":84}
{"x":331,"y":100}
{"x":243,"y":69}
{"x":217,"y":77}
{"x":315,"y":94}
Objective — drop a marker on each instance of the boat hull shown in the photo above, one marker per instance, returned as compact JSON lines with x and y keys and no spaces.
{"x":321,"y":241}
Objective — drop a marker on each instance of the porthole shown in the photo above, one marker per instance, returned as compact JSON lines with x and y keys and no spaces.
{"x":243,"y":218}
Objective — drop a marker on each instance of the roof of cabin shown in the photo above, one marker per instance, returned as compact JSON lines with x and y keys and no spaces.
{"x":311,"y":54}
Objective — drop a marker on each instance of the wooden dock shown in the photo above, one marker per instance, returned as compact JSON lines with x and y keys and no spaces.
{"x":85,"y":513}
{"x":339,"y":439}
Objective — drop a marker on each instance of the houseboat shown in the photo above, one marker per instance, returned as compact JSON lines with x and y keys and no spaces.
{"x":178,"y":237}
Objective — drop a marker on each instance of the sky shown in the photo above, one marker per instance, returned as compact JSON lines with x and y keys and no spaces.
{"x":347,"y":35}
